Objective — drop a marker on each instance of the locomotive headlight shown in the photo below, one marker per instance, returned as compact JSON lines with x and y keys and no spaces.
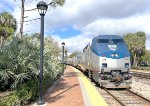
{"x":114,"y":55}
{"x":126,"y":65}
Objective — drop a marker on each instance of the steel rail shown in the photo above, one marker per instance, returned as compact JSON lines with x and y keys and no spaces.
{"x":141,"y":74}
{"x":123,"y":104}
{"x":139,"y":95}
{"x":115,"y":97}
{"x":118,"y":100}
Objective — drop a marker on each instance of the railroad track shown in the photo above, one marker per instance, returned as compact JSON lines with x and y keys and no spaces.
{"x":141,"y":74}
{"x":128,"y":98}
{"x":124,"y":97}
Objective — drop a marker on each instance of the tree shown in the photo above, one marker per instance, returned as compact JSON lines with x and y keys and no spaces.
{"x":136,"y":45}
{"x":53,"y":3}
{"x":7,"y":26}
{"x":74,"y":54}
{"x":146,"y":56}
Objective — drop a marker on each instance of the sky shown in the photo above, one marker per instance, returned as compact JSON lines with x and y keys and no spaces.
{"x":78,"y":21}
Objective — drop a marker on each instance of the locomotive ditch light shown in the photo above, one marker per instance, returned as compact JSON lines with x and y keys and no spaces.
{"x":103,"y":77}
{"x":128,"y":76}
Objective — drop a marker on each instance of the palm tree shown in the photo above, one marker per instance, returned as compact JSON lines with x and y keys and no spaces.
{"x":7,"y":26}
{"x":136,"y":45}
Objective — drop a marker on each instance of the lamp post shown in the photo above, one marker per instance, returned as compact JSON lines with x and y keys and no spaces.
{"x":42,"y":8}
{"x":63,"y":44}
{"x":66,"y":55}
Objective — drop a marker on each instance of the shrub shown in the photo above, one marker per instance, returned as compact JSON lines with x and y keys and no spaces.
{"x":26,"y":92}
{"x":10,"y":100}
{"x":19,"y":68}
{"x":19,"y":60}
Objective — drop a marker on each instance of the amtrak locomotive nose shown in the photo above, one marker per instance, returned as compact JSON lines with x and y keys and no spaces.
{"x":107,"y":61}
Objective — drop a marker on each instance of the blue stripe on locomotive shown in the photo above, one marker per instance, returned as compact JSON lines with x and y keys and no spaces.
{"x":103,"y":49}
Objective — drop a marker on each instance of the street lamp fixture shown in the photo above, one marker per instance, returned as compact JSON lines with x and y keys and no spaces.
{"x":63,"y":43}
{"x":42,"y":8}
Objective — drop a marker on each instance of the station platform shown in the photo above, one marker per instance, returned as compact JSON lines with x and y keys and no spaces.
{"x":73,"y":89}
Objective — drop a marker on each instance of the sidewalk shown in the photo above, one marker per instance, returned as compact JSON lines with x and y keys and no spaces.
{"x":73,"y":89}
{"x":67,"y":92}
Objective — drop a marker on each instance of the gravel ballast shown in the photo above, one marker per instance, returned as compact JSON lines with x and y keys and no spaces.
{"x":141,"y":86}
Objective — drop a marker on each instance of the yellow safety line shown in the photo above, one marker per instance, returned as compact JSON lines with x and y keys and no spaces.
{"x":93,"y":94}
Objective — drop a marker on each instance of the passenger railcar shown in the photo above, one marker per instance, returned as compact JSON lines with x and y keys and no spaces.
{"x":106,"y":60}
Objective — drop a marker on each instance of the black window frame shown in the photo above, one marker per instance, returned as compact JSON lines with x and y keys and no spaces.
{"x":119,"y":41}
{"x":102,"y":41}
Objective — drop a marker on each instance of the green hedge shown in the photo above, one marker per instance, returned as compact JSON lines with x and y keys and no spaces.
{"x":26,"y":92}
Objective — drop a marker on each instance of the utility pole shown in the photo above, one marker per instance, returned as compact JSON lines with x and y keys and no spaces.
{"x":22,"y":18}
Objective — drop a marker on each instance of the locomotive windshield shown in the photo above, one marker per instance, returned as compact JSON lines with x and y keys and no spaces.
{"x":102,"y":40}
{"x":115,"y":41}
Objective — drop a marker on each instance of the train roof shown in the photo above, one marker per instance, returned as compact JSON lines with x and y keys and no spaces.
{"x":108,"y":37}
{"x":110,"y":47}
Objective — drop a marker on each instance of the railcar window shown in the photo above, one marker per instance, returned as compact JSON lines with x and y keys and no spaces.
{"x":103,"y":41}
{"x":117,"y":41}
